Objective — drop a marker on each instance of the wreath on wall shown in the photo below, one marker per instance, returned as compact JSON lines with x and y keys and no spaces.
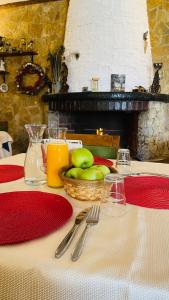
{"x":29,"y":69}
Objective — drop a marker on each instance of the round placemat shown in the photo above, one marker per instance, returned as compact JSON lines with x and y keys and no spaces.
{"x":102,"y":161}
{"x":29,"y":215}
{"x":10,"y":173}
{"x":147,"y":191}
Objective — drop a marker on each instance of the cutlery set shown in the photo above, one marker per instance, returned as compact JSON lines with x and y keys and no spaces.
{"x":91,"y":215}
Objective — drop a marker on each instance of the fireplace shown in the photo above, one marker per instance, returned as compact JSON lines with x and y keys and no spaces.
{"x":141,"y":119}
{"x":113,"y":123}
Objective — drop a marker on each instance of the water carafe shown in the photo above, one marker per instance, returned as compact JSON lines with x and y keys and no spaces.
{"x":35,"y":160}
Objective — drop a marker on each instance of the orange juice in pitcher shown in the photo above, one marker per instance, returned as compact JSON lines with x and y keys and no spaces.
{"x":57,"y":158}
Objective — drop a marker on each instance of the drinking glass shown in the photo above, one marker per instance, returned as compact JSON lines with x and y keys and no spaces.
{"x":114,"y":200}
{"x":123,"y":162}
{"x":57,"y":155}
{"x":57,"y":133}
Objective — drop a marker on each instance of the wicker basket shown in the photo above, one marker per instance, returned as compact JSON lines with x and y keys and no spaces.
{"x":86,"y":190}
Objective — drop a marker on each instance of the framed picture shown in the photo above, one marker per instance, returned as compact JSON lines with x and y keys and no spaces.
{"x":118,"y":82}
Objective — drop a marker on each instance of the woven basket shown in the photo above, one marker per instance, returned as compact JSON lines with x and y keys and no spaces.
{"x":86,"y":190}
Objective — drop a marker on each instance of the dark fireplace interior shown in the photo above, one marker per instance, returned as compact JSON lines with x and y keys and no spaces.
{"x":124,"y":124}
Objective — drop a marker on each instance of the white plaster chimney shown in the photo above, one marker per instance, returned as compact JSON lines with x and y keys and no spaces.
{"x":108,"y":36}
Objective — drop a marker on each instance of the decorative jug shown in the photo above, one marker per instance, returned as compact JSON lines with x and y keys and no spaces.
{"x":2,"y":65}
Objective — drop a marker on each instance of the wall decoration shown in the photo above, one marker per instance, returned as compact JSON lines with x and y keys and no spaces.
{"x":59,"y":71}
{"x":155,"y":87}
{"x":139,"y":89}
{"x":145,"y":40}
{"x":26,"y":70}
{"x":2,"y":65}
{"x":4,"y":87}
{"x":95,"y":84}
{"x":63,"y":78}
{"x":118,"y":82}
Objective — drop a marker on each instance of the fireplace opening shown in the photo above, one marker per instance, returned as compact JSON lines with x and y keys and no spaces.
{"x":114,"y":123}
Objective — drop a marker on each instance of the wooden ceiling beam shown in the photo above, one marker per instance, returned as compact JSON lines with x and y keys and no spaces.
{"x":26,"y":2}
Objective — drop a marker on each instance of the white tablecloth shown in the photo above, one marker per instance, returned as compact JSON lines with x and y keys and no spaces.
{"x":124,"y":258}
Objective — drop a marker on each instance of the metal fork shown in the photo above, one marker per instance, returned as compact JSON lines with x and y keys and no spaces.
{"x":92,"y":219}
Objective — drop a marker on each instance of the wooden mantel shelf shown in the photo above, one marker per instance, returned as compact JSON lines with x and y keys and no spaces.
{"x":102,"y":101}
{"x":15,"y":53}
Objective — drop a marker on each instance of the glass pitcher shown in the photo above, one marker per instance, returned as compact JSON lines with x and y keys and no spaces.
{"x":35,"y":160}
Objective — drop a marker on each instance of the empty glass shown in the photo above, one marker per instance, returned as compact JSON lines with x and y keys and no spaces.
{"x":57,"y":133}
{"x":123,"y":162}
{"x":35,"y":160}
{"x":114,"y":200}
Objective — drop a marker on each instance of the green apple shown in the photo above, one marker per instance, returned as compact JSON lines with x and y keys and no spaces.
{"x":73,"y":173}
{"x":81,"y":158}
{"x":104,"y":169}
{"x":91,"y":174}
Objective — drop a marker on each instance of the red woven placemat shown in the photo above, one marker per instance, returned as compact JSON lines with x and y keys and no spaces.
{"x":29,"y":215}
{"x":10,"y":173}
{"x":147,"y":191}
{"x":102,"y":161}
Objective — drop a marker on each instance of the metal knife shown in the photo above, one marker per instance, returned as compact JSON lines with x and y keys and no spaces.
{"x":63,"y":246}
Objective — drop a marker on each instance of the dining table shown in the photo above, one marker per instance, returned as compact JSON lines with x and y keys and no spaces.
{"x":124,"y":258}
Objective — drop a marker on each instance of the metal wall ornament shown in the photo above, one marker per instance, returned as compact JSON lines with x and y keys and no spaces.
{"x":63,"y":78}
{"x":4,"y":88}
{"x":155,"y":87}
{"x":26,"y":70}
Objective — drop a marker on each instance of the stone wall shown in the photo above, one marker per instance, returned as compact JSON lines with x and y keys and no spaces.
{"x":158,"y":12}
{"x":153,"y":132}
{"x":45,"y":24}
{"x":154,"y":125}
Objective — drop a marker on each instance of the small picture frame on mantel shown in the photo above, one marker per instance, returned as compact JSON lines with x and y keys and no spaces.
{"x":118,"y":82}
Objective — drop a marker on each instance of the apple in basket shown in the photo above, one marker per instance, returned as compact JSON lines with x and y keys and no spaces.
{"x":81,"y":158}
{"x":91,"y":174}
{"x":104,"y":169}
{"x":83,"y":168}
{"x":74,"y":172}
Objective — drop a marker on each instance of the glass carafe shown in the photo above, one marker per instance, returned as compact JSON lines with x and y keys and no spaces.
{"x":35,"y":160}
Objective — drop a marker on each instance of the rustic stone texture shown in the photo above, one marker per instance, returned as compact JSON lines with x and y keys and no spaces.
{"x":158,"y":13}
{"x":153,"y":132}
{"x":45,"y":24}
